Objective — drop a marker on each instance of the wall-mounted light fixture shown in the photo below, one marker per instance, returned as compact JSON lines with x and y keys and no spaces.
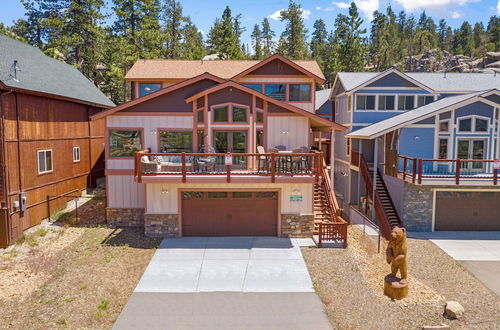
{"x":164,"y":191}
{"x":153,"y":131}
{"x":284,"y":132}
{"x":416,"y":137}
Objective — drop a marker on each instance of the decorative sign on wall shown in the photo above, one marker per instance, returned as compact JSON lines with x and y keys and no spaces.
{"x":296,"y":196}
{"x":228,"y":159}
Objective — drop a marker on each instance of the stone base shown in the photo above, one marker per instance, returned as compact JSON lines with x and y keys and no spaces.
{"x":297,"y":225}
{"x":161,"y":225}
{"x":125,"y":217}
{"x":394,"y":288}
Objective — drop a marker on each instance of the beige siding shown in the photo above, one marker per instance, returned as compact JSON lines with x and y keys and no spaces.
{"x":282,"y":80}
{"x":305,"y":106}
{"x":290,"y":131}
{"x":120,"y":164}
{"x":164,"y":198}
{"x":123,"y":192}
{"x":150,"y":125}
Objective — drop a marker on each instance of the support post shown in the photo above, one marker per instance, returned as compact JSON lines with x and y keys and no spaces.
{"x":273,"y":167}
{"x":183,"y":167}
{"x":420,"y":170}
{"x":360,"y":152}
{"x":414,"y":170}
{"x":405,"y":163}
{"x":495,"y":176}
{"x":228,"y":171}
{"x":457,"y":172}
{"x":332,"y":158}
{"x":48,"y":208}
{"x":374,"y":180}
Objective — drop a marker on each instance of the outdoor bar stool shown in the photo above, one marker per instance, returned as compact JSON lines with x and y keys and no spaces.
{"x":263,"y":158}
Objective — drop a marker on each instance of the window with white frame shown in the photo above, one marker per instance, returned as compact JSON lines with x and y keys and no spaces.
{"x":406,"y":102}
{"x":424,"y":99}
{"x":443,"y":149}
{"x":365,"y":102}
{"x":386,"y":102}
{"x":44,"y":161}
{"x":348,"y":146}
{"x":76,"y":154}
{"x":444,"y":126}
{"x":473,"y":124}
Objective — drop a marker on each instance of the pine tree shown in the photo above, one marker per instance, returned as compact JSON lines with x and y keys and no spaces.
{"x":493,"y":32}
{"x":295,"y":34}
{"x":257,"y":42}
{"x":319,"y":40}
{"x":223,"y":37}
{"x":172,"y":15}
{"x":267,"y":37}
{"x":351,"y":43}
{"x":464,"y":40}
{"x":192,"y":47}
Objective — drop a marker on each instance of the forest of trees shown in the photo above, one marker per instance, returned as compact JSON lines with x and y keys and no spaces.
{"x":103,"y":49}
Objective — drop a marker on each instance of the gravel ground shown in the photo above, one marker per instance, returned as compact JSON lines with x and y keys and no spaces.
{"x":350,"y":283}
{"x":80,"y":278}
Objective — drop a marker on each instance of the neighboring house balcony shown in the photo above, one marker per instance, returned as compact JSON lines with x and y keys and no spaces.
{"x":274,"y":167}
{"x":448,"y":171}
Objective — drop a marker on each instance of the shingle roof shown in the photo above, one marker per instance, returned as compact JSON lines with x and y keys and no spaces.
{"x":409,"y":117}
{"x":321,"y":97}
{"x":437,"y":81}
{"x":185,"y":69}
{"x":40,"y":73}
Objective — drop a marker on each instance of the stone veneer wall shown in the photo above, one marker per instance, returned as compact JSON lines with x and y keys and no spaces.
{"x":161,"y":225}
{"x":297,"y":225}
{"x":418,"y":205}
{"x":125,"y":217}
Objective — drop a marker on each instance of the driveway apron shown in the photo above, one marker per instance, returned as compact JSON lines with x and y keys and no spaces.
{"x":225,"y":283}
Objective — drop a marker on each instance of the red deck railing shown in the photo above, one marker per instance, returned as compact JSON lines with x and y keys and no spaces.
{"x":418,"y":169}
{"x":227,"y":164}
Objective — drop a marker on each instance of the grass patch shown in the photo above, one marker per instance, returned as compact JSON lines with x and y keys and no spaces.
{"x":103,"y":305}
{"x":41,"y":232}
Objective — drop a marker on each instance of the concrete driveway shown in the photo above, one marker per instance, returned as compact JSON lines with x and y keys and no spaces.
{"x":225,"y":283}
{"x":479,"y":252}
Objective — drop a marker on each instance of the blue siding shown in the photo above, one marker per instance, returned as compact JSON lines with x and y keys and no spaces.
{"x":393,"y":91}
{"x":392,"y":80}
{"x":477,"y":108}
{"x":421,"y":147}
{"x":371,"y":117}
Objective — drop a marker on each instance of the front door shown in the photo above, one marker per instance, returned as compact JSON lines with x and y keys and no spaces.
{"x":231,"y":141}
{"x":471,"y":149}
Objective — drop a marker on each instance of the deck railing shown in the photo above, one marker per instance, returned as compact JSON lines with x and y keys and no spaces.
{"x":418,"y":169}
{"x":227,"y":164}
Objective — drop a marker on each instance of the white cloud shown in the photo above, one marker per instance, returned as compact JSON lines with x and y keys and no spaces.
{"x":411,"y":5}
{"x":344,"y":5}
{"x":319,"y":8}
{"x":276,"y":15}
{"x":455,"y":14}
{"x":367,"y":7}
{"x":332,"y":8}
{"x":201,"y":31}
{"x":498,"y":7}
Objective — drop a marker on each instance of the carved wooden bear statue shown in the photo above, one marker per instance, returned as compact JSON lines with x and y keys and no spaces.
{"x":396,"y":253}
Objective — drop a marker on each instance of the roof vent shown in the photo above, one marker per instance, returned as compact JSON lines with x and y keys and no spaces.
{"x":15,"y":68}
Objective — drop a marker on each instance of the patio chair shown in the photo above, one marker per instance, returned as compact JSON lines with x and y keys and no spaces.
{"x":262,"y":159}
{"x":281,"y":148}
{"x":148,"y":166}
{"x":298,"y":163}
{"x":206,"y":163}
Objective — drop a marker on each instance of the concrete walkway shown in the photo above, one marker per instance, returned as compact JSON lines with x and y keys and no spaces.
{"x":226,"y":283}
{"x":479,"y":252}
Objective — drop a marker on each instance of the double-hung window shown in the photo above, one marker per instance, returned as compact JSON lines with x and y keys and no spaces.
{"x":443,"y":148}
{"x":76,"y":154}
{"x":365,"y":102}
{"x":386,"y":102}
{"x":406,"y":102}
{"x":230,"y":113}
{"x":473,"y":124}
{"x":45,"y":161}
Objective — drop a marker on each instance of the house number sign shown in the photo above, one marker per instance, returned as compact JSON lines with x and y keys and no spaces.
{"x":296,"y":196}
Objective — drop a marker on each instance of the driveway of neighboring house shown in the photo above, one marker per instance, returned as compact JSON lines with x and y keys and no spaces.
{"x":223,"y":283}
{"x":479,"y":252}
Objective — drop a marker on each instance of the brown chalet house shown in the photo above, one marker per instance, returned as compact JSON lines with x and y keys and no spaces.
{"x":219,"y":148}
{"x":49,"y":148}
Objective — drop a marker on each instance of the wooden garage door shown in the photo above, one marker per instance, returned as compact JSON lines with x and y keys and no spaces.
{"x":467,"y":210}
{"x":229,"y":213}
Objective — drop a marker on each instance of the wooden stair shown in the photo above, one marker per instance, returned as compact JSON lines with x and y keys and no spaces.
{"x":386,"y":201}
{"x":322,"y":211}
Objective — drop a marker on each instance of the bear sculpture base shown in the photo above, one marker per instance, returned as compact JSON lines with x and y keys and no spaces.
{"x":395,"y":288}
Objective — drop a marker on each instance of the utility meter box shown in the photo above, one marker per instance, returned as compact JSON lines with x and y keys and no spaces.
{"x":23,"y":200}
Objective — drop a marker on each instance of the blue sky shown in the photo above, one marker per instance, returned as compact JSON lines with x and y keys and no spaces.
{"x":204,"y":12}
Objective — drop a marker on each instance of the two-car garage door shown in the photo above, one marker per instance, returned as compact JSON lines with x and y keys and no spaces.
{"x":229,"y":213}
{"x":467,"y":210}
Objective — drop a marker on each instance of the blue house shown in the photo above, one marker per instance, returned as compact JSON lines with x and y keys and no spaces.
{"x":422,"y":149}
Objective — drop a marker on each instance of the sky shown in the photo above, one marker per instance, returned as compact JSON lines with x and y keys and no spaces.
{"x":204,"y":12}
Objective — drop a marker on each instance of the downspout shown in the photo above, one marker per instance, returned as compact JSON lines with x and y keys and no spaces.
{"x":4,"y":168}
{"x":90,"y":149}
{"x":18,"y":132}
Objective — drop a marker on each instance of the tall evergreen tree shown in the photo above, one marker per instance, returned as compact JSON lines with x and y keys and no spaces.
{"x":319,"y":40}
{"x":192,"y":47}
{"x":173,"y":18}
{"x":352,"y":51}
{"x":295,"y":34}
{"x":257,"y":42}
{"x":223,"y":36}
{"x":267,"y":38}
{"x":464,"y":40}
{"x":493,"y":32}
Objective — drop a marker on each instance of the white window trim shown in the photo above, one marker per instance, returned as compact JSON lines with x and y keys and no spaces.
{"x":415,"y":98}
{"x":365,"y":94}
{"x":395,"y":103}
{"x":45,"y":159}
{"x":79,"y":154}
{"x":473,"y":124}
{"x":449,"y":126}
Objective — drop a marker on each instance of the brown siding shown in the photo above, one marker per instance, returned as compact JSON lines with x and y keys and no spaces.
{"x":229,"y":94}
{"x":273,"y":108}
{"x":46,"y":123}
{"x":276,"y":67}
{"x":173,"y":101}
